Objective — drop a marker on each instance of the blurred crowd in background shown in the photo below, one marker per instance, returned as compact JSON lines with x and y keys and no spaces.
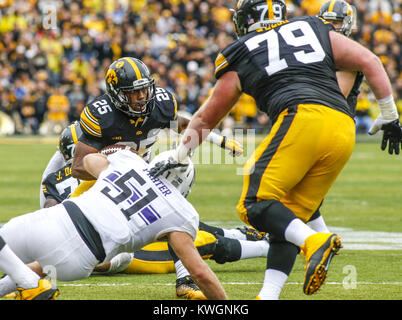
{"x":54,"y":54}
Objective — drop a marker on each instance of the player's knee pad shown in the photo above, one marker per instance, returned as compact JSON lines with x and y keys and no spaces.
{"x":226,"y":250}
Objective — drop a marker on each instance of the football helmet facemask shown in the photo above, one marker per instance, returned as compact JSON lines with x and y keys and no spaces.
{"x":339,"y":10}
{"x":181,"y":177}
{"x":68,"y":140}
{"x":250,"y":15}
{"x":128,"y":75}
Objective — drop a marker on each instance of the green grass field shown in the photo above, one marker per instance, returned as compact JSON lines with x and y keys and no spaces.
{"x":364,"y":207}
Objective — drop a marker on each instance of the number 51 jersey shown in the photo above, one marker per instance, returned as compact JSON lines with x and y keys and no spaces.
{"x":284,"y":65}
{"x":131,"y":209}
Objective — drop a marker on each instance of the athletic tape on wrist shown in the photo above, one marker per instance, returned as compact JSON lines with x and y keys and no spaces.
{"x":388,"y":108}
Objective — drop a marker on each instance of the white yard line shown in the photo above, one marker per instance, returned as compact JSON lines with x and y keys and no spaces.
{"x":351,"y":239}
{"x":394,"y":283}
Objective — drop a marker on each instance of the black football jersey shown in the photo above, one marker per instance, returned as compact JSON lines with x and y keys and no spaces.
{"x":103,"y":124}
{"x":60,"y":184}
{"x":284,"y":65}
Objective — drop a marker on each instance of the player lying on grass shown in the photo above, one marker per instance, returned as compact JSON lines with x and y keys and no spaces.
{"x":219,"y":244}
{"x":124,"y":211}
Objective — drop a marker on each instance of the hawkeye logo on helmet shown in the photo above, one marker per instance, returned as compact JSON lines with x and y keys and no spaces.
{"x":111,"y":77}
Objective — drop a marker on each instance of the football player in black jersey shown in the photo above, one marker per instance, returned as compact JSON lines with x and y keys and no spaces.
{"x":58,"y":185}
{"x":132,"y":112}
{"x":288,"y":67}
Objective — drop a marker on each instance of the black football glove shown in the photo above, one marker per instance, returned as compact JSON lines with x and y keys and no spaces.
{"x":392,"y":136}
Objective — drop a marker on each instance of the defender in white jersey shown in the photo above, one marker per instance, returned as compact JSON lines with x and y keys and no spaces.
{"x":125,"y":210}
{"x":140,"y":209}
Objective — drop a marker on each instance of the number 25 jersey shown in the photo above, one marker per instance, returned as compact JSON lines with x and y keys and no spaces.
{"x":284,"y":65}
{"x":103,"y":124}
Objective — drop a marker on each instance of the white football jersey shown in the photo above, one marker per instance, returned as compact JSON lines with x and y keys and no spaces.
{"x":131,"y":209}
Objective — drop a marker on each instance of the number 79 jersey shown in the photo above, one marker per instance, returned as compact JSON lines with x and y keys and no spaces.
{"x":284,"y":65}
{"x":131,"y":209}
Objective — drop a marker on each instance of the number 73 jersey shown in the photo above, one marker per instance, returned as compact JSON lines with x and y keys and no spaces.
{"x":284,"y":65}
{"x":60,"y":184}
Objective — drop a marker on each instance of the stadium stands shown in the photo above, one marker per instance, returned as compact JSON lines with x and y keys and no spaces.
{"x":57,"y":51}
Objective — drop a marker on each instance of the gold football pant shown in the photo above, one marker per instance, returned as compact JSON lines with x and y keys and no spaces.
{"x":155,"y":257}
{"x":299,"y":159}
{"x":82,"y":187}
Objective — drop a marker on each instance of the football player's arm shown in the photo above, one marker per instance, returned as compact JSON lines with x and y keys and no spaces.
{"x":204,"y":277}
{"x":350,"y":55}
{"x":225,"y":94}
{"x":95,"y":163}
{"x":77,"y":169}
{"x":223,"y":142}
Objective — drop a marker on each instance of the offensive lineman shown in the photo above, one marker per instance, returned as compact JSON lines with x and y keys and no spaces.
{"x":288,"y":66}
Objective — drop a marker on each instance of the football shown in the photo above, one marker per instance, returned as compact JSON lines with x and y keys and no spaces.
{"x":114,"y":148}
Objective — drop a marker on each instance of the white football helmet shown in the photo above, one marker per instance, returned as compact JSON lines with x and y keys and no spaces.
{"x":181,"y":177}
